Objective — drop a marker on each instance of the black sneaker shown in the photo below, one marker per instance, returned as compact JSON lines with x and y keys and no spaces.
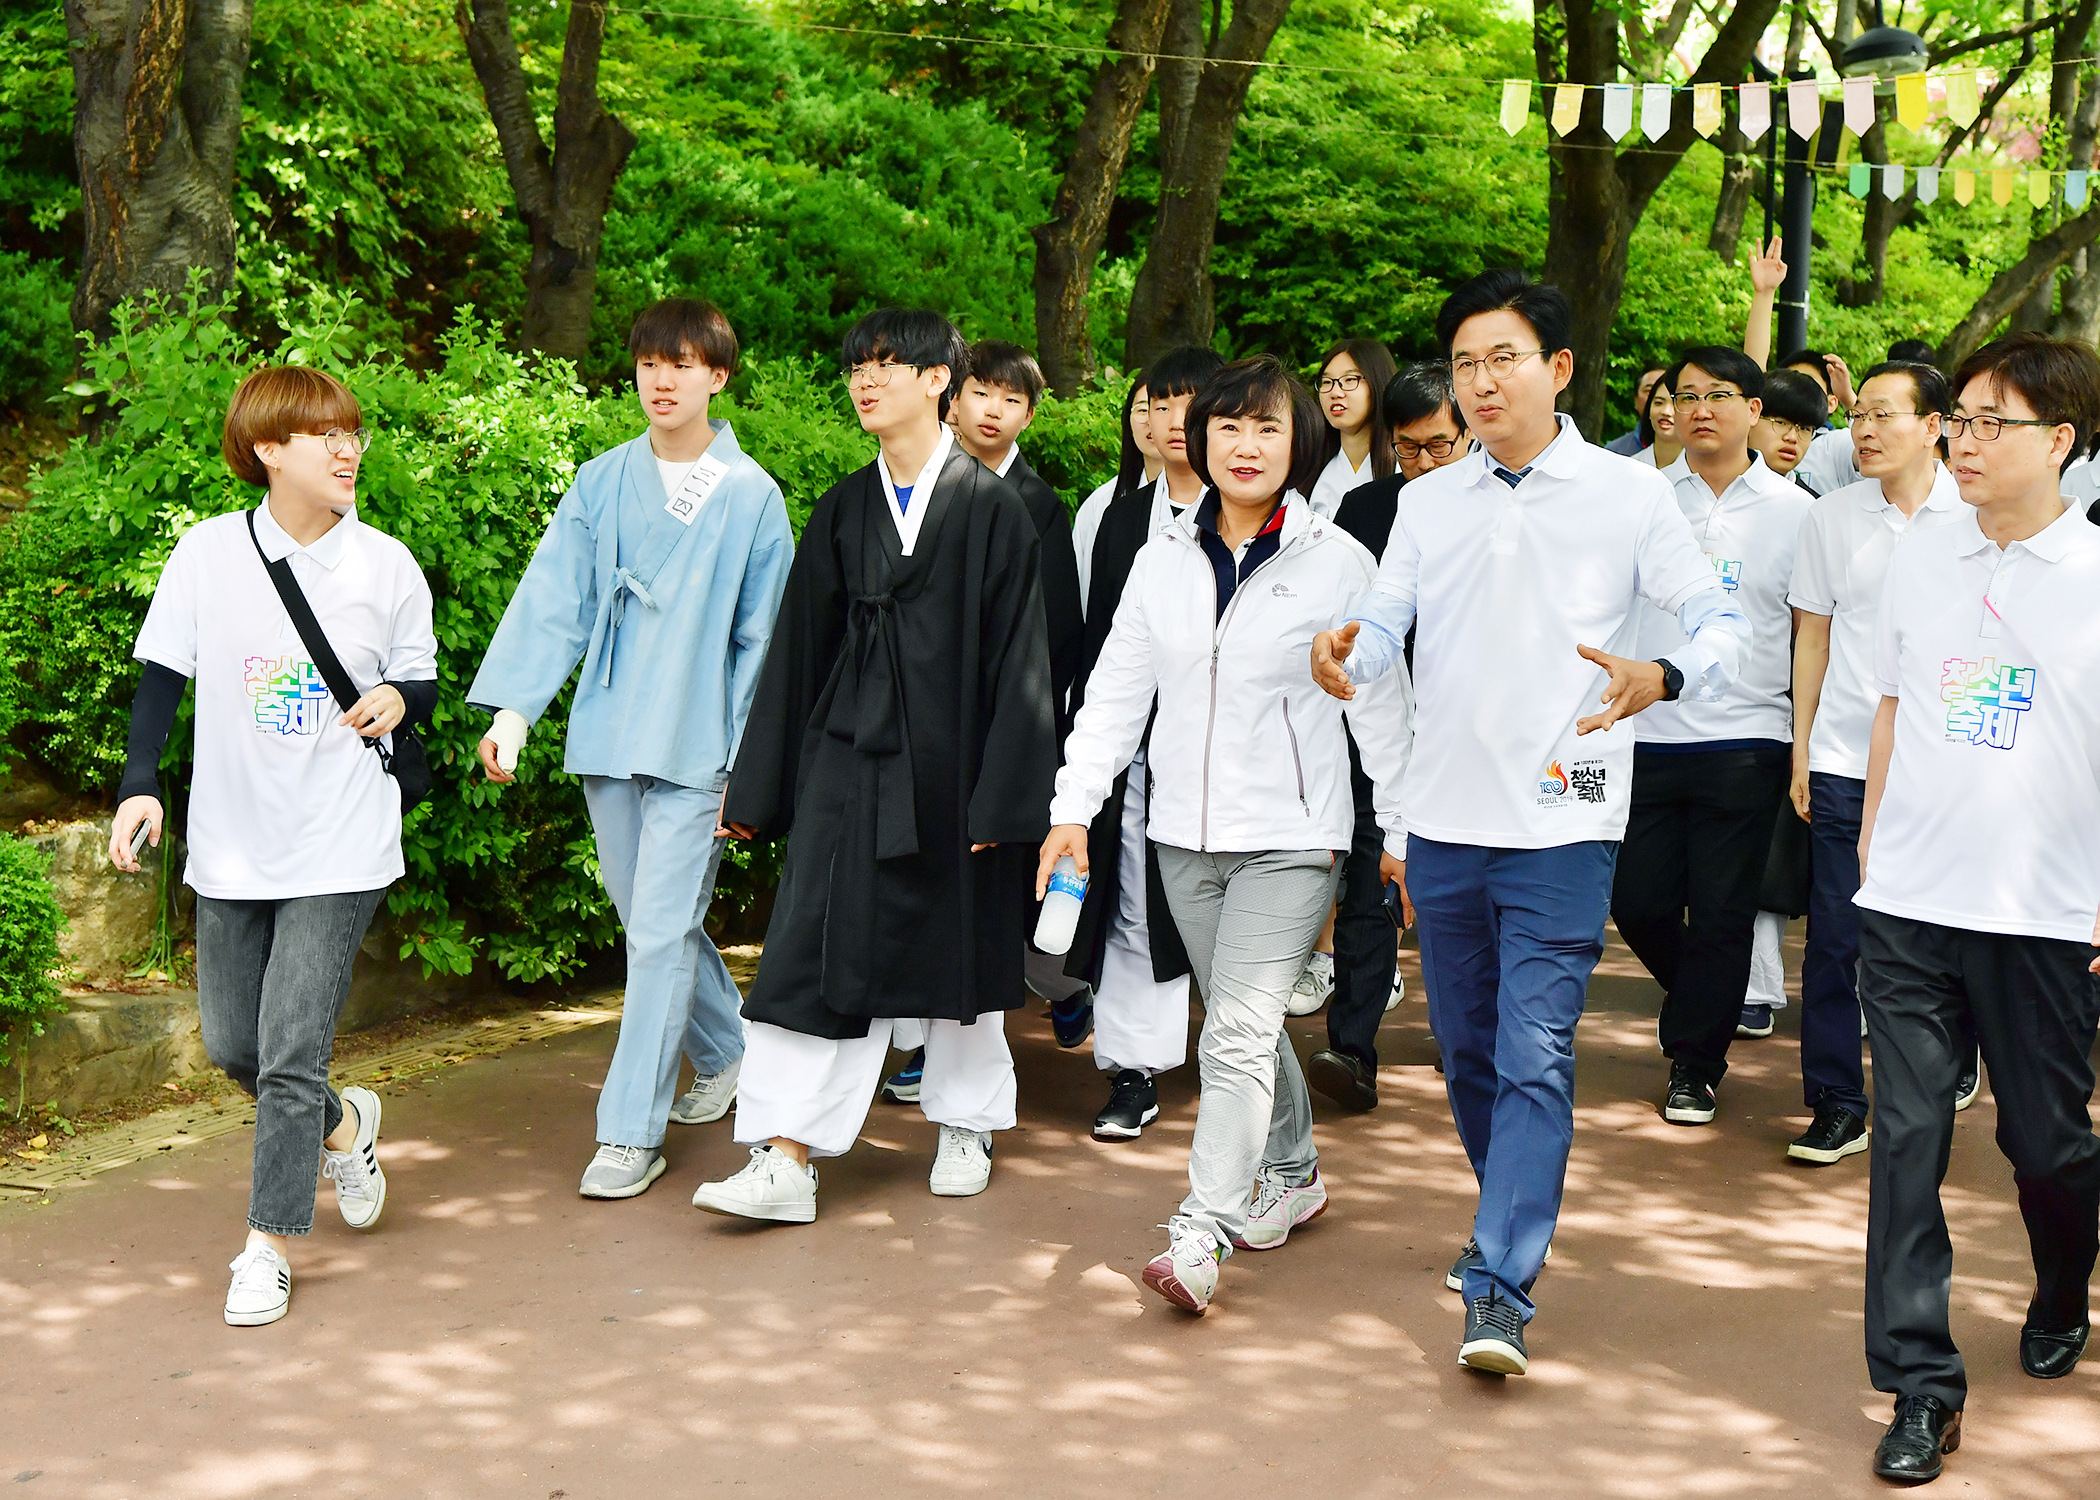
{"x":902,"y":1086}
{"x":1690,"y":1101}
{"x":1971,"y":1082}
{"x":1836,"y":1134}
{"x":1494,"y":1340}
{"x":1133,"y":1103}
{"x":1344,"y":1079}
{"x":1455,"y":1278}
{"x":1072,"y":1019}
{"x":1909,"y":1452}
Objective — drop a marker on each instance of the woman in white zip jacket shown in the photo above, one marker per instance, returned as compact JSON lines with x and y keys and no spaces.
{"x":1251,"y":799}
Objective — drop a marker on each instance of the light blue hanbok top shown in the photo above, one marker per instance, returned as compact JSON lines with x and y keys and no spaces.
{"x":668,"y":602}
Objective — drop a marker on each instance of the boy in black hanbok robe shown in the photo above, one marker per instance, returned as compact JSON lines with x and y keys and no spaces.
{"x":904,"y":740}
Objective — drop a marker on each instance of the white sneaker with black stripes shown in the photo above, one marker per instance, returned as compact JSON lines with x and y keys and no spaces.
{"x":360,"y":1186}
{"x":262,"y":1287}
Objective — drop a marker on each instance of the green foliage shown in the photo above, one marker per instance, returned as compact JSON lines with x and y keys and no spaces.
{"x":30,"y":922}
{"x":34,"y":330}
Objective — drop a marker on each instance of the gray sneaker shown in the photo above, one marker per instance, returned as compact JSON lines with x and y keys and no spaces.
{"x":709,"y":1098}
{"x":622,"y":1171}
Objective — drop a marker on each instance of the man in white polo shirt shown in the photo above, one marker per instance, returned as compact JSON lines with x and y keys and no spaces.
{"x":1980,"y":853}
{"x":1709,"y":777}
{"x":1839,"y":566}
{"x":1523,"y":566}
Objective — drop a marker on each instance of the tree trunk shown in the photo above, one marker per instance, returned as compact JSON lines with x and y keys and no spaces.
{"x":1180,"y":68}
{"x":1879,"y":220}
{"x":1067,"y":247}
{"x":562,"y":197}
{"x":1595,"y":195}
{"x":1738,"y":177}
{"x":2016,"y":283}
{"x":156,"y":125}
{"x":2080,"y":318}
{"x":1173,"y":302}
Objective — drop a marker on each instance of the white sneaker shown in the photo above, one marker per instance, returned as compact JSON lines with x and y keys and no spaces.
{"x":773,"y":1186}
{"x":1186,"y":1273}
{"x":1314,"y":987}
{"x":360,"y":1187}
{"x":962,"y":1167}
{"x":1278,"y":1208}
{"x":709,"y":1098}
{"x":262,"y":1287}
{"x":1399,"y":993}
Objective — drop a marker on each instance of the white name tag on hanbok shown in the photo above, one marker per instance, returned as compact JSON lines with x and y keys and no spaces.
{"x":697,"y":487}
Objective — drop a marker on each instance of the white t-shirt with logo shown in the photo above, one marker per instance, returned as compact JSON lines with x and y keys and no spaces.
{"x":285,"y":801}
{"x":1747,"y":533}
{"x":1990,"y":818}
{"x":1843,"y":556}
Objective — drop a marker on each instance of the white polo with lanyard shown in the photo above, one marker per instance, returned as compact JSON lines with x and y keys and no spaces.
{"x":285,"y":801}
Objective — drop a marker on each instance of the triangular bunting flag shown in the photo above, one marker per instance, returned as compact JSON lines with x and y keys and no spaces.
{"x":2038,"y":189}
{"x":1567,"y":107}
{"x":1655,"y":110}
{"x":2074,"y":189}
{"x":1706,"y":108}
{"x":1516,"y":104}
{"x":1618,"y":110}
{"x":1753,"y":103}
{"x":1858,"y":178}
{"x":1928,"y":184}
{"x":1859,"y":104}
{"x":1911,"y":103}
{"x":1964,"y":188}
{"x":2002,"y":186}
{"x":1892,"y":182}
{"x":1802,"y":107}
{"x":1962,"y":104}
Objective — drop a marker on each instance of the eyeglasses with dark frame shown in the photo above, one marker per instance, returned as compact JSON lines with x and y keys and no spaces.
{"x":1716,"y":402}
{"x":1409,"y":450}
{"x":1348,"y":384}
{"x":335,"y":439}
{"x":1989,"y":429}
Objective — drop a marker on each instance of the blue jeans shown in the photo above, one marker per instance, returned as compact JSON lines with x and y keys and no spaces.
{"x":271,"y":980}
{"x":1509,"y":938}
{"x":1831,"y":1071}
{"x":657,"y":854}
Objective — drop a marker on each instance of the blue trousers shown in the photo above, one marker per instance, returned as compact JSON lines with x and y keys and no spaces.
{"x":1831,"y":1071}
{"x":1509,"y":938}
{"x":657,"y":854}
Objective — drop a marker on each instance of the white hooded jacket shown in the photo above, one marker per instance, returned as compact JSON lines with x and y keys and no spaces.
{"x":1248,"y":753}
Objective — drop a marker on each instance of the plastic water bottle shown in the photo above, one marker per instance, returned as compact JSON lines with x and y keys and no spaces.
{"x":1061,"y":901}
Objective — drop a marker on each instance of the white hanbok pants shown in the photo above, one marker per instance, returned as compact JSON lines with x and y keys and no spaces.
{"x":1767,"y":962}
{"x":817,"y":1091}
{"x":1139,"y":1021}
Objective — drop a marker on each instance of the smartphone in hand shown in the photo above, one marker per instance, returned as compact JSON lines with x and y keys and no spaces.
{"x":138,"y":838}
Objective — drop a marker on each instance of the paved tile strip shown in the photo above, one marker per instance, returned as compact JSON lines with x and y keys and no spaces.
{"x":168,"y":1129}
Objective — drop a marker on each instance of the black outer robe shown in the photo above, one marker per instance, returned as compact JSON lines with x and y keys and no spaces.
{"x":1125,"y":527}
{"x":1060,"y":564}
{"x":903,"y":714}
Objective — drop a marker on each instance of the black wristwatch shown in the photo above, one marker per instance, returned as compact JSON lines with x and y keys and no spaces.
{"x":1673,"y":681}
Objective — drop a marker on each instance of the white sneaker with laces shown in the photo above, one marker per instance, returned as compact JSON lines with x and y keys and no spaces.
{"x":1314,"y":988}
{"x":1278,"y":1208}
{"x":1399,"y":991}
{"x":262,"y":1287}
{"x":962,"y":1166}
{"x":360,"y":1186}
{"x":709,"y":1098}
{"x":1186,"y":1273}
{"x":773,"y":1186}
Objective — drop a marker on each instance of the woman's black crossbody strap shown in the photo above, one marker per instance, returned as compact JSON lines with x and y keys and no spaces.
{"x":406,"y":763}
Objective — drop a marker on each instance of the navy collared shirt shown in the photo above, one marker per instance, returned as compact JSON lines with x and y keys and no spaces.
{"x":1231,"y":572}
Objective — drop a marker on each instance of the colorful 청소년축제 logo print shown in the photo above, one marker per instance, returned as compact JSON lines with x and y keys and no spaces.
{"x":1568,"y":786}
{"x":1554,"y":783}
{"x":1728,"y":570}
{"x":288,"y":695}
{"x":1984,"y":700}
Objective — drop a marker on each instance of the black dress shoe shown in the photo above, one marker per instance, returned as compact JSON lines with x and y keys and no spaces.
{"x":1344,"y":1079}
{"x":1909,"y":1452}
{"x":2050,"y":1356}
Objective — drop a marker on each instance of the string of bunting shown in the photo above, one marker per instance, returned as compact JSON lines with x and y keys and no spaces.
{"x":1803,"y":102}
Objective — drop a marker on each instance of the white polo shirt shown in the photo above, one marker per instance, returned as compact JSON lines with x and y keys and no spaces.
{"x":1747,"y":533}
{"x":1839,"y":565}
{"x":1503,"y":584}
{"x":1830,"y":463}
{"x":1990,"y":819}
{"x":285,"y":801}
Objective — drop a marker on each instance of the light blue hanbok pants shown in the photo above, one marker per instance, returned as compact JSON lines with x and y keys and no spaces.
{"x":657,"y":854}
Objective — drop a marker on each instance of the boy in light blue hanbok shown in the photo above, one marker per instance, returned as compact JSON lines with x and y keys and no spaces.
{"x":661,"y":573}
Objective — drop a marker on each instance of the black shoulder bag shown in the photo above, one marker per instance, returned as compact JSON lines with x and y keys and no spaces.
{"x":407,"y":762}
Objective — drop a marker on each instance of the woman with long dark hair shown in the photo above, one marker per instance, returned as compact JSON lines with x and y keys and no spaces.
{"x":1357,"y":445}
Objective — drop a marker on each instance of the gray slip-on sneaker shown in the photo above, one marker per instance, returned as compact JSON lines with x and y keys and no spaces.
{"x":622,"y":1171}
